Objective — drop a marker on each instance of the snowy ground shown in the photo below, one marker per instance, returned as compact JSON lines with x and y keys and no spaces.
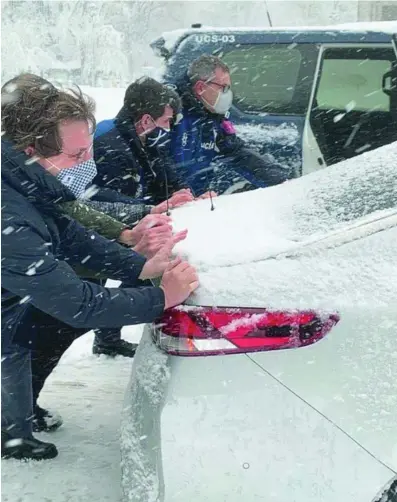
{"x":88,"y":392}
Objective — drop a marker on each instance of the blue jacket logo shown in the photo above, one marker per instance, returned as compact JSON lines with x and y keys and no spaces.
{"x":208,"y":146}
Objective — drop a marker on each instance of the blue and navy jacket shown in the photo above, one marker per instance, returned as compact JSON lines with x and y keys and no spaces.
{"x":124,"y":165}
{"x":208,"y":154}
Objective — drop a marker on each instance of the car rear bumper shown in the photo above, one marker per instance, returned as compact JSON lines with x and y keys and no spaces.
{"x":221,"y":429}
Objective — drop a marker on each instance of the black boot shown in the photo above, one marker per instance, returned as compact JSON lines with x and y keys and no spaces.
{"x":45,"y":421}
{"x":119,"y":348}
{"x":26,"y":448}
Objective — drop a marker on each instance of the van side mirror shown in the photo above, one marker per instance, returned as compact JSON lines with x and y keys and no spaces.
{"x":159,"y":49}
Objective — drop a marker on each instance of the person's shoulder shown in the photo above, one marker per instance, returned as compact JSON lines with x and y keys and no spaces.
{"x":188,"y":112}
{"x":19,"y":219}
{"x":10,"y":157}
{"x":188,"y":117}
{"x":107,"y":144}
{"x":104,"y":127}
{"x":227,"y":126}
{"x":12,"y":201}
{"x":15,"y":205}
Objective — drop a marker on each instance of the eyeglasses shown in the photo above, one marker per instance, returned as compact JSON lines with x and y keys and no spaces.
{"x":225,"y":87}
{"x":45,"y":149}
{"x":49,"y":151}
{"x":78,"y":155}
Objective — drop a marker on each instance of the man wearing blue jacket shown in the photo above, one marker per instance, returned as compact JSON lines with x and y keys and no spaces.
{"x":204,"y":146}
{"x":45,"y":305}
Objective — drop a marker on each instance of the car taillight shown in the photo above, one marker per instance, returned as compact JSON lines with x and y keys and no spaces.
{"x":197,"y":331}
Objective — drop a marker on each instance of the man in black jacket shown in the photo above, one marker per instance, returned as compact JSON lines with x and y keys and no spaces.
{"x":79,"y":181}
{"x":131,"y":150}
{"x":45,"y":305}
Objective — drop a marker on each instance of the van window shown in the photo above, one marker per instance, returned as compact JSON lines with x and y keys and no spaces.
{"x":354,"y":107}
{"x":272,"y":78}
{"x":354,"y":82}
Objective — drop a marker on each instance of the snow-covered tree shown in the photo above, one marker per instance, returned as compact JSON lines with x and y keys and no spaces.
{"x":87,"y":40}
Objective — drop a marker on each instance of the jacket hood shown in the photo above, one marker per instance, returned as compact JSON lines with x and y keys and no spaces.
{"x":41,"y":188}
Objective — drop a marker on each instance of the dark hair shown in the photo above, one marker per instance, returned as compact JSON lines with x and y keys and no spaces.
{"x":147,"y":96}
{"x":203,"y":68}
{"x":32,"y":109}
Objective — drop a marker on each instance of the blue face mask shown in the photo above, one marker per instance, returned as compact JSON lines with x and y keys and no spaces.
{"x":79,"y":177}
{"x":158,"y":138}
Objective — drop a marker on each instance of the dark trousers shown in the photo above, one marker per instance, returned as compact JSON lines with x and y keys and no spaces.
{"x":27,"y":360}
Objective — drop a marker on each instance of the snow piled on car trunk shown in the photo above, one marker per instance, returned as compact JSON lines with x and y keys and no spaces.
{"x":237,"y":247}
{"x":362,"y":273}
{"x":254,"y":225}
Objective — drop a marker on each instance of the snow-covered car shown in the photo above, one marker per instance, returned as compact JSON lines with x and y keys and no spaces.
{"x":278,"y":379}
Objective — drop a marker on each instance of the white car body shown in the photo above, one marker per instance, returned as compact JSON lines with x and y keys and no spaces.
{"x":309,"y":424}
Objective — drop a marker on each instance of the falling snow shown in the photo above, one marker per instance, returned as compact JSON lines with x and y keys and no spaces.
{"x":249,"y":258}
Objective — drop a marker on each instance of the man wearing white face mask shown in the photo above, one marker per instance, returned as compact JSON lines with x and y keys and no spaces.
{"x":204,"y":146}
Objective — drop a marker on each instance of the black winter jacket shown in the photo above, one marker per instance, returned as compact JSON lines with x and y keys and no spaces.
{"x":126,"y":166}
{"x":39,"y":245}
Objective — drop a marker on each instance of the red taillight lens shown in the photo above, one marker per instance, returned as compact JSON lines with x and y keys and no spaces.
{"x":196,"y":331}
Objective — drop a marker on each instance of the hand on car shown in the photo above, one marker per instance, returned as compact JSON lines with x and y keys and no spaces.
{"x":153,"y":240}
{"x":179,"y":281}
{"x":178,"y":199}
{"x":152,"y":226}
{"x":156,"y":265}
